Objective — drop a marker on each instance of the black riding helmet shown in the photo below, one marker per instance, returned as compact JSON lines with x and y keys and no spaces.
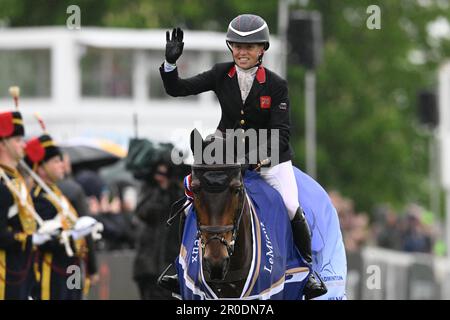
{"x":248,"y":28}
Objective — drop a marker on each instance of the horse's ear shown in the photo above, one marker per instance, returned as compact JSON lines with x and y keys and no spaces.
{"x":196,"y":136}
{"x":244,"y":168}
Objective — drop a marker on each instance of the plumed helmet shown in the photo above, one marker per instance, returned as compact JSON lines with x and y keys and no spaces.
{"x":41,"y":149}
{"x":248,"y":28}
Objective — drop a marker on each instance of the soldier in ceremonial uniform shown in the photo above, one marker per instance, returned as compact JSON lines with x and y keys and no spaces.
{"x":17,"y":224}
{"x":55,"y":262}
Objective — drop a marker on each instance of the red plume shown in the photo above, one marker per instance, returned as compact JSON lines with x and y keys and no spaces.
{"x":41,"y":122}
{"x":34,"y":150}
{"x":6,"y":124}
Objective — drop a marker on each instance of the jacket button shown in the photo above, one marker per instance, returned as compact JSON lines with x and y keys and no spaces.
{"x":242,"y":111}
{"x":242,"y":122}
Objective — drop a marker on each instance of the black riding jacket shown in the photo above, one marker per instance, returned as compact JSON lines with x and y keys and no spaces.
{"x":266,"y":107}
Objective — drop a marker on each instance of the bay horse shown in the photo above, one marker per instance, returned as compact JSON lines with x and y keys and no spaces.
{"x":226,"y":247}
{"x":224,"y":226}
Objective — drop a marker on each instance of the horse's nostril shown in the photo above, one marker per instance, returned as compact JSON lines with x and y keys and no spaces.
{"x":225,"y":266}
{"x":207,"y":265}
{"x":217,"y":268}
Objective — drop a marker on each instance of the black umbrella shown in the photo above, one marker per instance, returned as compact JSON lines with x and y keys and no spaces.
{"x":93,"y":154}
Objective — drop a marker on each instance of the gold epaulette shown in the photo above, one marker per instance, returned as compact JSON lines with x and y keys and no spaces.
{"x":22,"y":238}
{"x":37,"y":191}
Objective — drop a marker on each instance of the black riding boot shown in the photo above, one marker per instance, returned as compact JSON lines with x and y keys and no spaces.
{"x":170,"y":282}
{"x":315,"y":287}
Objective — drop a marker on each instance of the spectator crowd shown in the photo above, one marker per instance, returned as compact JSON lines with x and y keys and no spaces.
{"x":413,"y":229}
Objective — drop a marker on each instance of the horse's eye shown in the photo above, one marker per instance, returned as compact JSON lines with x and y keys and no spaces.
{"x":195,"y":189}
{"x":237,"y":189}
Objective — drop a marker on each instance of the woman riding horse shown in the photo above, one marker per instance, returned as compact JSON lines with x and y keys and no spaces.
{"x":251,"y":97}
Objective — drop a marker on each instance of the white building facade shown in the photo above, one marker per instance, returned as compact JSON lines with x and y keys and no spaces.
{"x":94,"y":82}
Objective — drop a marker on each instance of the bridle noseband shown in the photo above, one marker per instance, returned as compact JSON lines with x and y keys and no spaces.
{"x":216,"y":231}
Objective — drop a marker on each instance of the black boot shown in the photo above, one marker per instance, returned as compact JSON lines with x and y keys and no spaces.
{"x":171,"y":282}
{"x":314,"y":287}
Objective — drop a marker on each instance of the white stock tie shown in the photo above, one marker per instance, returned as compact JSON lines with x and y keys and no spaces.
{"x":245,"y":80}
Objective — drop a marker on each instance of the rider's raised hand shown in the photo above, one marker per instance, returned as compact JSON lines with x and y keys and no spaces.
{"x":174,"y":45}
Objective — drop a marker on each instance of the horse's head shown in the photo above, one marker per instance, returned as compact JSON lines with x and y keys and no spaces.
{"x":218,"y":200}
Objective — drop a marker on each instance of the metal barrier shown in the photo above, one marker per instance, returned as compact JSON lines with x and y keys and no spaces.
{"x":116,"y":282}
{"x":373,"y":274}
{"x":380,"y":274}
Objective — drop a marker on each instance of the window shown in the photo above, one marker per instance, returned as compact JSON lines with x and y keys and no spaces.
{"x":106,"y":73}
{"x":30,"y":69}
{"x":156,"y":89}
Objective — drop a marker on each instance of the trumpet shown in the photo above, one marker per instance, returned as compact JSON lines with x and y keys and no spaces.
{"x":43,"y":226}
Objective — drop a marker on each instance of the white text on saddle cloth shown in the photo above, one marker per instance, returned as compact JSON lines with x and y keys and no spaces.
{"x":269,"y":254}
{"x":194,"y":255}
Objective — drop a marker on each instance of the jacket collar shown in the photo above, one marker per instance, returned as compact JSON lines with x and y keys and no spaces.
{"x":232,"y":71}
{"x":10,"y":171}
{"x":260,"y":73}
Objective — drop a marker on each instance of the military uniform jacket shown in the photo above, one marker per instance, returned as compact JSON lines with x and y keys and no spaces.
{"x":53,"y":259}
{"x":16,"y":227}
{"x":53,"y":250}
{"x":266,"y":107}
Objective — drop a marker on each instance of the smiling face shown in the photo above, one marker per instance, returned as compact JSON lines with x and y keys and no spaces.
{"x":246,"y":55}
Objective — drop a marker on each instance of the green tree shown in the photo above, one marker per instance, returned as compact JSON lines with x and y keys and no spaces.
{"x":193,"y":14}
{"x":369,"y":145}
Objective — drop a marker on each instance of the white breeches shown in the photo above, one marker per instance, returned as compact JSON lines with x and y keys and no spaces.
{"x":282,"y":178}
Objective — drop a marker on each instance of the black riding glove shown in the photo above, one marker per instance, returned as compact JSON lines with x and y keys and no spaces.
{"x":174,"y":46}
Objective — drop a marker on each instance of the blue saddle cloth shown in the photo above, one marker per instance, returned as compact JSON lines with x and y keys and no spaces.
{"x":277,"y":270}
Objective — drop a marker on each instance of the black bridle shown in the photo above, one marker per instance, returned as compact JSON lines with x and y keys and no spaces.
{"x":218,"y":232}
